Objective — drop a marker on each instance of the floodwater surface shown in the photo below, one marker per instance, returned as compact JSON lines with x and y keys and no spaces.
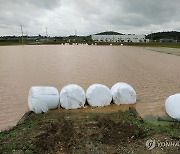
{"x":153,"y":75}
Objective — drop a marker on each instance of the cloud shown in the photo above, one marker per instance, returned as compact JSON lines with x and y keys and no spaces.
{"x":62,"y":17}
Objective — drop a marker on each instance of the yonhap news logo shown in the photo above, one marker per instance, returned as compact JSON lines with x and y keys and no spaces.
{"x":152,"y":143}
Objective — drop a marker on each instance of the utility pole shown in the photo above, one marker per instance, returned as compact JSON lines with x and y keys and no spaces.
{"x":46,"y":33}
{"x":75,"y":35}
{"x":26,"y":36}
{"x":22,"y":33}
{"x":113,"y":36}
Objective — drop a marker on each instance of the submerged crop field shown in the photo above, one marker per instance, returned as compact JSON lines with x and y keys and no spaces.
{"x":153,"y":75}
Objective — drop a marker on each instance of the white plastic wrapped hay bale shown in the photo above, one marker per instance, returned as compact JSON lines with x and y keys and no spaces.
{"x":123,"y":93}
{"x":98,"y":95}
{"x":72,"y":96}
{"x":41,"y":99}
{"x":172,"y":106}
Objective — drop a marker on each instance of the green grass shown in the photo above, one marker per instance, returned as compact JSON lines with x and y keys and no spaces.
{"x":26,"y":138}
{"x":167,"y":45}
{"x":171,"y":46}
{"x":7,"y":43}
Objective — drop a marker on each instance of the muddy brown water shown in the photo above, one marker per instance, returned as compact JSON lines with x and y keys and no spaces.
{"x":153,"y":75}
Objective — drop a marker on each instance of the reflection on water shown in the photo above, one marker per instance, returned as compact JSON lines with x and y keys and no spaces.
{"x":58,"y":65}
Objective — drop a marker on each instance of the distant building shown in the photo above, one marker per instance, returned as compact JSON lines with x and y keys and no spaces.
{"x":119,"y":38}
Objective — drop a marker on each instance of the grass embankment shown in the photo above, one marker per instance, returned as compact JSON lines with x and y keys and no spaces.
{"x":167,"y":45}
{"x":7,"y":43}
{"x":68,"y":132}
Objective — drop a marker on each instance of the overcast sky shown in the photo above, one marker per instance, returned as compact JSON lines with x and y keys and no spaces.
{"x":63,"y":17}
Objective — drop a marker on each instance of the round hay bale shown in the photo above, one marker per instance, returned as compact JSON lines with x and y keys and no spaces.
{"x":123,"y":93}
{"x":72,"y":96}
{"x":98,"y":95}
{"x":41,"y":99}
{"x":172,"y":106}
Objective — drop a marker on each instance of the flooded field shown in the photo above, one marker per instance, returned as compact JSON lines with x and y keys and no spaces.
{"x":153,"y":75}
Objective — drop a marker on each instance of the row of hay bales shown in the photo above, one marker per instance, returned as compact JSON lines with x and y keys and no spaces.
{"x":72,"y":96}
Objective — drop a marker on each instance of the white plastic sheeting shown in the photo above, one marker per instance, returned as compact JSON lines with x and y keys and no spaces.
{"x":123,"y":93}
{"x":72,"y":96}
{"x":172,"y":106}
{"x":98,"y":95}
{"x":41,"y":99}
